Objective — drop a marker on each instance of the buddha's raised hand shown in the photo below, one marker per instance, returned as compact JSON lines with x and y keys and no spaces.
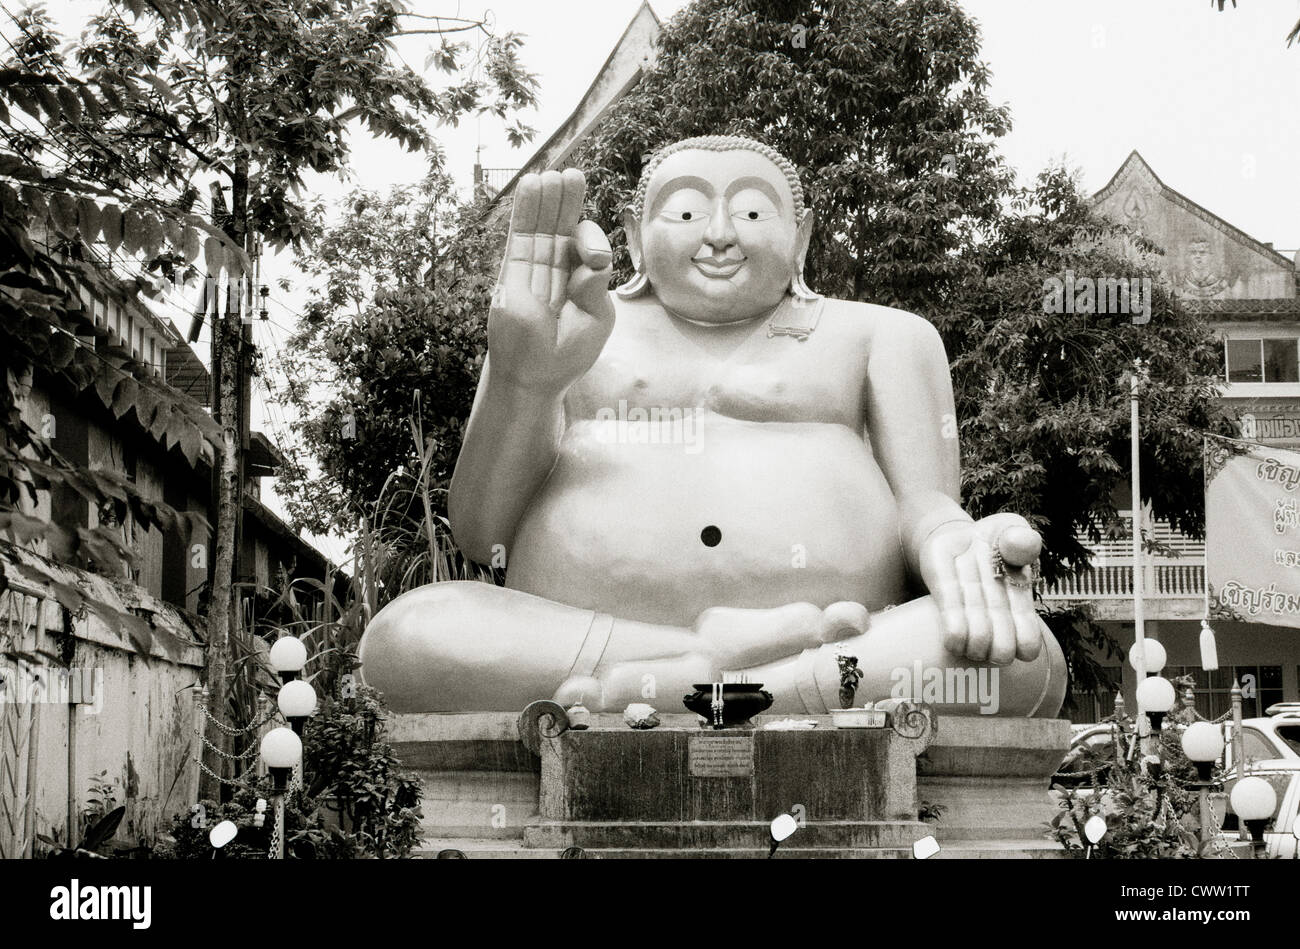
{"x":551,"y":312}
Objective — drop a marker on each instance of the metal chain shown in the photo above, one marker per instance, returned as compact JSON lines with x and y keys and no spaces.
{"x":274,"y":850}
{"x":232,"y":782}
{"x":1217,"y":838}
{"x":246,"y":753}
{"x":234,"y":732}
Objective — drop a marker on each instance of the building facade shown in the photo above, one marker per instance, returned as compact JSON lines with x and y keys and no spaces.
{"x":1247,"y":291}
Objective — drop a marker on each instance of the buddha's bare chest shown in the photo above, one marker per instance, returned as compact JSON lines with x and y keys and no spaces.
{"x":743,"y":373}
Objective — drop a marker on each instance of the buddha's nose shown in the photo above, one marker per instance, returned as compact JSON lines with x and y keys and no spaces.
{"x":720,"y":233}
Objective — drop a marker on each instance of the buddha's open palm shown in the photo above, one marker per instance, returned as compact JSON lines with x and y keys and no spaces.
{"x":551,"y":312}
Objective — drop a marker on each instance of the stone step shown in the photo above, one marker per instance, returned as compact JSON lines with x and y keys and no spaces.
{"x":483,"y":848}
{"x":477,"y":804}
{"x":1002,"y":850}
{"x":490,"y":849}
{"x":720,"y":835}
{"x":956,"y":834}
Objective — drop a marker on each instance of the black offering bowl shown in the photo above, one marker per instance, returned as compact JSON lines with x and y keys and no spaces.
{"x":741,"y":701}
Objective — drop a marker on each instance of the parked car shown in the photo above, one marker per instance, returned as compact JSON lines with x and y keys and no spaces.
{"x":1270,"y":750}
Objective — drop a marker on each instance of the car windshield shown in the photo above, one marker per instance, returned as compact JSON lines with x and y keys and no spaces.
{"x":1291,"y":735}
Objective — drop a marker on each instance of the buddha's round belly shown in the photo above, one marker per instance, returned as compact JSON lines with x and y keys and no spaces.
{"x":658,"y":522}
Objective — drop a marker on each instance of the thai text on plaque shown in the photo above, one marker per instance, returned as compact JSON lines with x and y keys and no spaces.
{"x":721,"y":756}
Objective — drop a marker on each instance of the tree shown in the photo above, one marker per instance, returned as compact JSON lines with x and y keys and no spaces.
{"x":880,"y":105}
{"x":395,"y":333}
{"x":1043,"y":396}
{"x":52,"y":219}
{"x":246,"y":96}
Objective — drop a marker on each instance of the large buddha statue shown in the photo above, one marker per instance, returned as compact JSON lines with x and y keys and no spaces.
{"x":710,"y":471}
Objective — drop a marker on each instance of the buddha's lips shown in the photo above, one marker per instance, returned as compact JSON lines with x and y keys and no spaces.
{"x":718,"y":266}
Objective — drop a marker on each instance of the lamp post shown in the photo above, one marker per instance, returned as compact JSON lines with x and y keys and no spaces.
{"x":281,"y":750}
{"x":1203,"y":743}
{"x":220,"y":835}
{"x":1093,"y":830}
{"x":288,"y":656}
{"x":1254,"y":800}
{"x":782,"y":828}
{"x":297,"y":702}
{"x":1135,"y":488}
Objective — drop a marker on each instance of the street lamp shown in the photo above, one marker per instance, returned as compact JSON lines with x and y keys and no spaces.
{"x":1203,"y":743}
{"x":783,"y":827}
{"x":297,"y":701}
{"x":1155,"y":696}
{"x":1153,"y":652}
{"x":1254,"y":800}
{"x":288,"y":656}
{"x":1094,"y":830}
{"x":281,"y":750}
{"x":221,"y":835}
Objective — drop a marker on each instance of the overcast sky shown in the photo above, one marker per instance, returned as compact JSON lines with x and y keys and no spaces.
{"x":1210,"y":99}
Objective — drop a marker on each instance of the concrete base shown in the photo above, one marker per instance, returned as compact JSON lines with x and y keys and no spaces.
{"x":483,"y":795}
{"x":991,"y":778}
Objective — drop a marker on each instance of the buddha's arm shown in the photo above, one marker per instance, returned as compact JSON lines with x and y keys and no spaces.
{"x":510,"y":445}
{"x":549,"y":320}
{"x":913,"y":427}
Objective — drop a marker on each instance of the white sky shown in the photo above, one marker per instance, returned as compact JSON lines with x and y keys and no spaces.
{"x":1210,"y":100}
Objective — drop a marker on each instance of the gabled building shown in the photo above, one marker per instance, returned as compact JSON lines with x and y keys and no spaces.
{"x":1247,"y":291}
{"x":109,"y":703}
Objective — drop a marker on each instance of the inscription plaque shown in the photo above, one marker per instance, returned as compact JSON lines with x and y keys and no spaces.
{"x":721,"y":756}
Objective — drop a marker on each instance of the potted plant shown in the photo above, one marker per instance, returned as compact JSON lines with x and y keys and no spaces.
{"x":847,"y":716}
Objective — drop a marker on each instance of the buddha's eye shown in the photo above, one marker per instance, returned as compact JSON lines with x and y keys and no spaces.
{"x":752,"y":205}
{"x":685,"y":206}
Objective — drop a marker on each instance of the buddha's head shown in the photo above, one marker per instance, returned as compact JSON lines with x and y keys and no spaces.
{"x":718,"y":230}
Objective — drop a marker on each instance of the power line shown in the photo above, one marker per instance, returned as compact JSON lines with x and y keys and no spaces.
{"x":76,"y":126}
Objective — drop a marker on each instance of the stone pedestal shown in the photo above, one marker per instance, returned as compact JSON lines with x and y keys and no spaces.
{"x":687,"y":791}
{"x":991,"y":776}
{"x":484,"y":793}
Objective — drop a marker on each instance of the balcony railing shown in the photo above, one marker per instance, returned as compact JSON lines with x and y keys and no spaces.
{"x":1184,"y":578}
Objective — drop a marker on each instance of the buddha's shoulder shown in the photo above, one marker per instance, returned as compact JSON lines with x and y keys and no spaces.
{"x":869,"y":320}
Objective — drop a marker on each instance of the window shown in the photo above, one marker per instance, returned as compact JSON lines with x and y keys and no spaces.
{"x":1255,"y":747}
{"x":1291,"y":735}
{"x":1261,"y":686}
{"x":1262,"y":360}
{"x":1082,"y":706}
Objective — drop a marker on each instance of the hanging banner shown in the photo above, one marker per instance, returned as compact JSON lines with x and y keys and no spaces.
{"x":1252,"y":532}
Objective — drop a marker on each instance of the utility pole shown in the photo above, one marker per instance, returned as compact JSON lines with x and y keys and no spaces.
{"x":231,"y":352}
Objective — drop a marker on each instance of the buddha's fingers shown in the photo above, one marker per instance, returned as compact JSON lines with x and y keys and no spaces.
{"x":544,"y":236}
{"x":1002,"y":647}
{"x":979,"y":634}
{"x":1029,"y":628}
{"x":588,"y":285}
{"x":517,"y":267}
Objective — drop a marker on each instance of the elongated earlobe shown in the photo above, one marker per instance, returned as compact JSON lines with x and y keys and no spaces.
{"x":632,"y":230}
{"x":803,"y":236}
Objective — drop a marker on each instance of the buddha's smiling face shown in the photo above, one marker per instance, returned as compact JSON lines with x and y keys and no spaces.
{"x":719,"y":236}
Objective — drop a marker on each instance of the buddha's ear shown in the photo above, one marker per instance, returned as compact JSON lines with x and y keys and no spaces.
{"x":632,"y":231}
{"x":802,"y":237}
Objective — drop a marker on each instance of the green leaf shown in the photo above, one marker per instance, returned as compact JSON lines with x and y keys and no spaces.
{"x":70,"y":103}
{"x":111,"y":225}
{"x":63,"y":211}
{"x":88,"y":219}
